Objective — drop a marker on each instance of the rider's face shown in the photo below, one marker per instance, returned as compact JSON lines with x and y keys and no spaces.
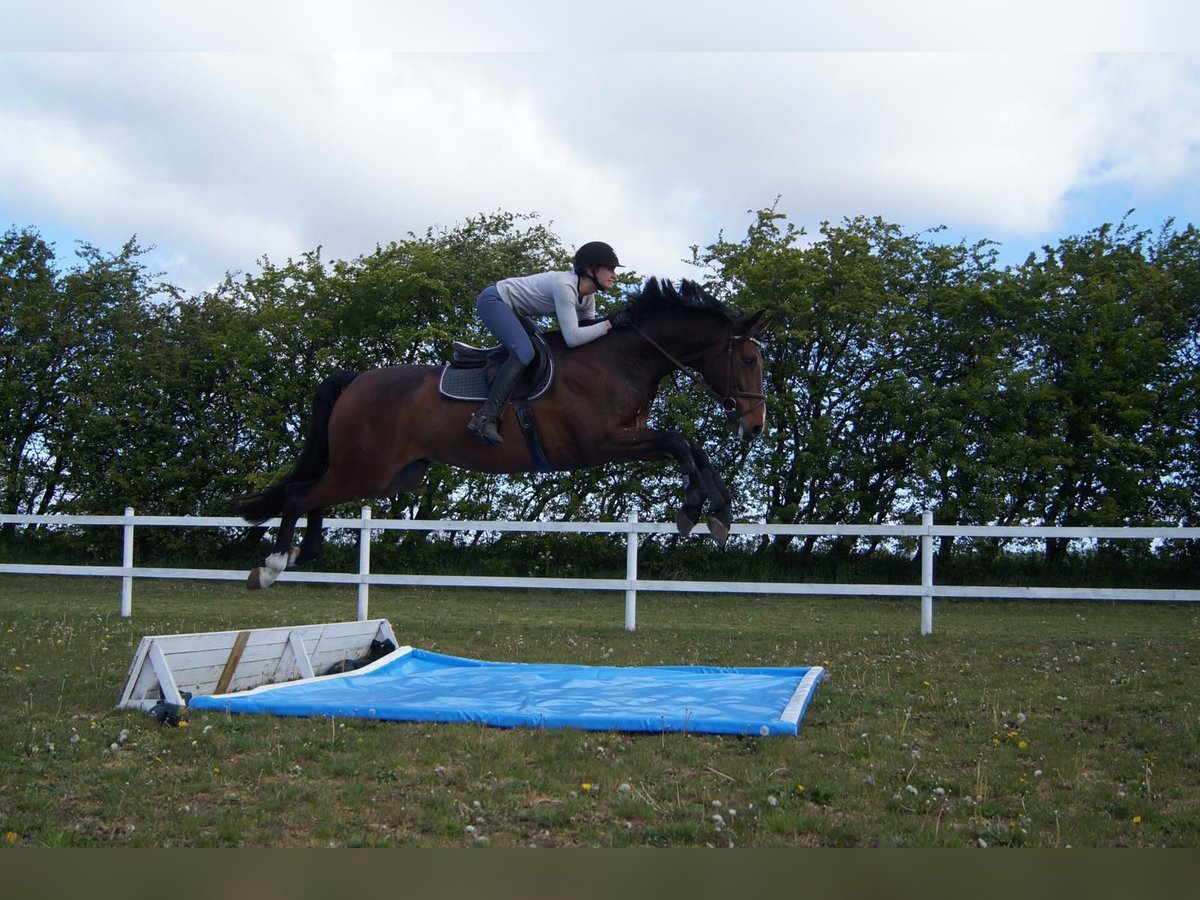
{"x":605,"y":277}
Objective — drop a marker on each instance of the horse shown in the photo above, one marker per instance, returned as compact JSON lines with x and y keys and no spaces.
{"x":376,"y":433}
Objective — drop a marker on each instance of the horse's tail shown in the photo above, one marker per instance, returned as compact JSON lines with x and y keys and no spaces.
{"x":314,"y":457}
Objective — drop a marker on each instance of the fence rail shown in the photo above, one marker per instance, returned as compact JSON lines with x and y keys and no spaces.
{"x":632,"y":528}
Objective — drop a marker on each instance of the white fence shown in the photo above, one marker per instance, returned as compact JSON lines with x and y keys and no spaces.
{"x":926,"y":532}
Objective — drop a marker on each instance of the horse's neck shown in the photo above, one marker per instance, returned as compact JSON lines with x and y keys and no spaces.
{"x":669,"y":343}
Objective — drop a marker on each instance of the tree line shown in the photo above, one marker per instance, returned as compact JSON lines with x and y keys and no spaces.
{"x":902,"y":372}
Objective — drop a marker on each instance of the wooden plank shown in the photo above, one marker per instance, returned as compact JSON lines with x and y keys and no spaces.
{"x":166,"y":681}
{"x":235,"y":656}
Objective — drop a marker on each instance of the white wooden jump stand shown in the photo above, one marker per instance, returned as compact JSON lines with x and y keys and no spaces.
{"x":220,"y":662}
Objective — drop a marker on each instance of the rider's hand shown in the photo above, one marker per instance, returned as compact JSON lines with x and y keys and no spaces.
{"x":621,"y":318}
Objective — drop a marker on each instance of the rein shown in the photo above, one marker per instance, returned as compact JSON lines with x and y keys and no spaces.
{"x":728,"y":403}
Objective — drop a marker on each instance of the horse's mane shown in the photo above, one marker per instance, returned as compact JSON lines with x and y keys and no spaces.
{"x":660,"y":294}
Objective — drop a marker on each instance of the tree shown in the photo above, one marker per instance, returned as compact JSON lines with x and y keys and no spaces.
{"x":842,"y":408}
{"x":1104,"y":355}
{"x":37,"y":333}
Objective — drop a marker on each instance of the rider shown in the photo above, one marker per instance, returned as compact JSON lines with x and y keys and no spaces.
{"x":571,"y":296}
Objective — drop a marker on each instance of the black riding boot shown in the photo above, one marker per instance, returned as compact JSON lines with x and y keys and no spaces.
{"x":484,"y":423}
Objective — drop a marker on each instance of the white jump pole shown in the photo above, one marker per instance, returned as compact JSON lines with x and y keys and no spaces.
{"x":631,"y":552}
{"x":927,"y":572}
{"x":127,"y":564}
{"x":364,"y":563}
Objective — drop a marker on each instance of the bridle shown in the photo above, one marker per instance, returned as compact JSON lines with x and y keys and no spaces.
{"x":729,"y":401}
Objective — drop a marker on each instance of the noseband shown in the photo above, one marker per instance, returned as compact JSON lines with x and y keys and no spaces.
{"x":729,"y":401}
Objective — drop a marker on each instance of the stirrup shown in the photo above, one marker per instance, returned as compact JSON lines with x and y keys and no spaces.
{"x":485,"y":428}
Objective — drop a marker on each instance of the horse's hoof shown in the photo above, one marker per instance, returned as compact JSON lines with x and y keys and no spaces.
{"x":719,"y":530}
{"x":253,"y":581}
{"x":293,"y":555}
{"x":684,"y":522}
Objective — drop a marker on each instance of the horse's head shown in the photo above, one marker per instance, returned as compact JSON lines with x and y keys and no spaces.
{"x":736,"y":375}
{"x":719,"y":341}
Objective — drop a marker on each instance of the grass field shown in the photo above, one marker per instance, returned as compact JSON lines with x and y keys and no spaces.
{"x":1015,"y":724}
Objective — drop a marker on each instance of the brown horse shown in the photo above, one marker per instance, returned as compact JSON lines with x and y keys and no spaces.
{"x":375,"y":433}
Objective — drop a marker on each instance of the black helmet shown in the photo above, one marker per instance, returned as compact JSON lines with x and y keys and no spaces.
{"x":593,"y":254}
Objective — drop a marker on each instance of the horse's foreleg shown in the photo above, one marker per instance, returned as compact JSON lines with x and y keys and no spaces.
{"x":719,"y":498}
{"x":693,"y":500}
{"x":703,"y":484}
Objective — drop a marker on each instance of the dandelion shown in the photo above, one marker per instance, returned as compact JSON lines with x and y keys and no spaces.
{"x":12,"y":836}
{"x":1137,"y":820}
{"x":587,"y":786}
{"x":1022,"y":745}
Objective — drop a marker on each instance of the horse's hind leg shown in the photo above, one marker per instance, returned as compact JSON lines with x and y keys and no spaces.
{"x":310,"y":547}
{"x":282,"y":552}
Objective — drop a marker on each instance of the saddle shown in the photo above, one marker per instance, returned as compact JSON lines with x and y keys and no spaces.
{"x":471,"y":370}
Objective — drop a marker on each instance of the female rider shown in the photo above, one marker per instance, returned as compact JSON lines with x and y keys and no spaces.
{"x":570,"y":296}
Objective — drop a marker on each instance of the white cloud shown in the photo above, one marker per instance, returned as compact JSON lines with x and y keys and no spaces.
{"x":664,"y":25}
{"x":219,"y":158}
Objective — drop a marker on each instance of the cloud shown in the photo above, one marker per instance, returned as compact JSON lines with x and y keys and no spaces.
{"x":221,"y":157}
{"x":665,"y":25}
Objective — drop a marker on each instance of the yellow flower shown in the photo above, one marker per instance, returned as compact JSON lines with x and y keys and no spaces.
{"x":800,"y":788}
{"x":1137,"y":820}
{"x":587,"y":785}
{"x":11,"y":837}
{"x":1021,"y":745}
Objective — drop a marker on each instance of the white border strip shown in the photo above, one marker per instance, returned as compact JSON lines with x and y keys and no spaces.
{"x":804,"y":691}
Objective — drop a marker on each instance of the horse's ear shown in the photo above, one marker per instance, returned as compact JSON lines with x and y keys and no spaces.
{"x":757,"y":323}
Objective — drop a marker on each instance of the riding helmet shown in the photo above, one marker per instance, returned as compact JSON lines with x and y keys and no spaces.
{"x":593,"y":254}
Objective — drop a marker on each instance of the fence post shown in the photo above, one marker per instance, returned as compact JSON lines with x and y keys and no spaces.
{"x":631,"y":553}
{"x":364,"y":563}
{"x":927,"y":572}
{"x":127,"y":564}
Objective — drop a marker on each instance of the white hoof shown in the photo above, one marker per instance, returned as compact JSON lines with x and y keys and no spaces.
{"x":260,"y":578}
{"x":277,"y":562}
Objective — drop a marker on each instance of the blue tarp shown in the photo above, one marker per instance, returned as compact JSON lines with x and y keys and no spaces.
{"x":418,"y":685}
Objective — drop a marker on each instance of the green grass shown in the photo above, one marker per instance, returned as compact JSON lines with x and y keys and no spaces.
{"x":1015,"y":724}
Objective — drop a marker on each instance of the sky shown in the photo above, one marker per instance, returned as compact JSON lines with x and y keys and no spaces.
{"x":222,"y":132}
